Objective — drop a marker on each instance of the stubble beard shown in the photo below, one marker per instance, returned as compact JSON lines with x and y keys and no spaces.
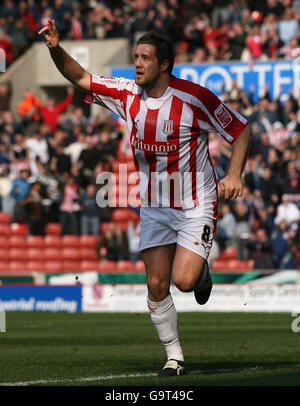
{"x":150,"y":83}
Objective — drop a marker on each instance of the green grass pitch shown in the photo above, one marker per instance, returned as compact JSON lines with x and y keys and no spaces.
{"x":121,"y":349}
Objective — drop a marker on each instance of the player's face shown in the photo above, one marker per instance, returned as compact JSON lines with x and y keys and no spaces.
{"x":147,"y":68}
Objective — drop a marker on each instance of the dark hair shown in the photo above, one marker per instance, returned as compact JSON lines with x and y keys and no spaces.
{"x":163,"y":47}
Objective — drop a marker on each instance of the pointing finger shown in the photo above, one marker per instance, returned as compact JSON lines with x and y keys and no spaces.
{"x":52,"y":24}
{"x":43,"y":30}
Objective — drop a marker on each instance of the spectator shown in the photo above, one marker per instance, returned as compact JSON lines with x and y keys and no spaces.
{"x":287,"y":211}
{"x":60,"y":162}
{"x":30,"y":118}
{"x":272,"y":46}
{"x":90,"y":218}
{"x":288,"y":26}
{"x":291,"y":183}
{"x":236,"y":41}
{"x":5,"y":91}
{"x":68,"y":208}
{"x":4,"y":154}
{"x":199,"y":56}
{"x":115,"y":244}
{"x":260,"y":249}
{"x":133,"y":237}
{"x":268,"y":186}
{"x":289,"y":261}
{"x":242,"y":228}
{"x":50,"y":192}
{"x":89,"y":157}
{"x":6,"y":45}
{"x":7,"y":202}
{"x":226,"y":227}
{"x":34,"y":214}
{"x":263,"y":147}
{"x":19,"y":191}
{"x":109,"y":146}
{"x":19,"y":154}
{"x":51,"y":111}
{"x":255,"y":43}
{"x":38,"y":149}
{"x":279,"y":239}
{"x":75,"y":148}
{"x":19,"y":37}
{"x":141,"y":20}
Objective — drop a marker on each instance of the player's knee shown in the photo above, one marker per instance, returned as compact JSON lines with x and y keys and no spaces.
{"x":185,"y":283}
{"x":158,"y":288}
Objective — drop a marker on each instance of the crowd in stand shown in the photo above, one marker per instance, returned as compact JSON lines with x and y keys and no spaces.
{"x":51,"y":153}
{"x":202,"y":30}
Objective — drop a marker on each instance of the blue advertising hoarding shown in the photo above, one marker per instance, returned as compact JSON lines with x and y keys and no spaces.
{"x":41,"y":298}
{"x":281,"y":76}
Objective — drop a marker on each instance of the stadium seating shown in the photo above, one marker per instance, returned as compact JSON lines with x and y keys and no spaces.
{"x":139,"y":266}
{"x":70,"y":241}
{"x":18,"y":229}
{"x":53,"y":228}
{"x":18,"y":241}
{"x":104,"y":227}
{"x":3,"y":254}
{"x":53,"y":241}
{"x":125,"y":266}
{"x":5,"y":217}
{"x":88,"y":240}
{"x":35,"y":265}
{"x":35,"y":241}
{"x":52,"y":254}
{"x":35,"y":254}
{"x":4,"y":242}
{"x":4,"y":266}
{"x":18,"y":254}
{"x":121,"y":215}
{"x":88,"y":253}
{"x":229,"y":253}
{"x":232,"y":265}
{"x":17,"y":265}
{"x":69,"y":265}
{"x":89,"y":265}
{"x":4,"y":229}
{"x":70,"y":253}
{"x":107,"y":266}
{"x":53,"y":266}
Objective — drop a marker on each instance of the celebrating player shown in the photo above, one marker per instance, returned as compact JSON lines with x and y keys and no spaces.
{"x":168,"y":121}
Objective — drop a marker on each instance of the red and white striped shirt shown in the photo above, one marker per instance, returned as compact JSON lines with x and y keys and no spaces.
{"x":169,"y":139}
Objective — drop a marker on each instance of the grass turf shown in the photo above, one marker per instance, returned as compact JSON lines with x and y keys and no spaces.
{"x":221,"y":349}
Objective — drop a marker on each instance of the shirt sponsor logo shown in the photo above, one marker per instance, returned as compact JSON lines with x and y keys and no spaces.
{"x":222,"y":115}
{"x":160,"y":147}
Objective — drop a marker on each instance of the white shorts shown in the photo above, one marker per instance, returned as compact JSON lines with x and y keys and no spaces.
{"x":193,"y":229}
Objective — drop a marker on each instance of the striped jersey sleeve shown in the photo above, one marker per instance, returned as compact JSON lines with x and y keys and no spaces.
{"x":111,"y":93}
{"x":211,"y":114}
{"x":223,"y":119}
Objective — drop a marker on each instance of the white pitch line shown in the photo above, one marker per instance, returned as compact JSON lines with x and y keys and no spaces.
{"x":88,"y":379}
{"x":110,"y":377}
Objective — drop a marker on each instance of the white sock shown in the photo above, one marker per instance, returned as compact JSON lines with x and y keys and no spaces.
{"x":164,"y":317}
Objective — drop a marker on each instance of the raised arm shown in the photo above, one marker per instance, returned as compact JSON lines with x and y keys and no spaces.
{"x":67,"y":66}
{"x":231,"y":186}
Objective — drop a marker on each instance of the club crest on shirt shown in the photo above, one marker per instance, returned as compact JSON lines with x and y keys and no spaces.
{"x":89,"y":98}
{"x":222,"y":115}
{"x":168,"y":127}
